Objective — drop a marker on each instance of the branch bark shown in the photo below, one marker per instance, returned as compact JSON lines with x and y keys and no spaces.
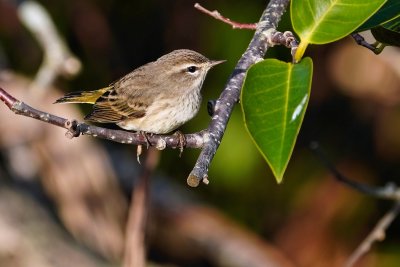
{"x":75,"y":128}
{"x":230,"y":95}
{"x":377,"y":234}
{"x":235,"y":25}
{"x":361,"y":41}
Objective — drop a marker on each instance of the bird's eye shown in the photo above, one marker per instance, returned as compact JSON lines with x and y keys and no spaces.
{"x":192,"y":69}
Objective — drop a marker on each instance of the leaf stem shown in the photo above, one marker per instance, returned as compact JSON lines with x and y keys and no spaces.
{"x":300,"y":51}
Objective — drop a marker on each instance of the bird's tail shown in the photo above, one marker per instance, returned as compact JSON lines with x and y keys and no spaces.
{"x":89,"y":97}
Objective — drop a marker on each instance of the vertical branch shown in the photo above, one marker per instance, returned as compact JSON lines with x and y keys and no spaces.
{"x":135,"y":248}
{"x":231,"y":93}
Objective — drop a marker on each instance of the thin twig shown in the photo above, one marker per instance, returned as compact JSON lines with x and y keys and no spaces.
{"x":135,"y":247}
{"x":388,"y":192}
{"x":8,"y":99}
{"x":274,"y":37}
{"x":235,"y":25}
{"x":287,"y":39}
{"x":361,"y":41}
{"x":377,"y":234}
{"x":75,"y":128}
{"x":230,"y":95}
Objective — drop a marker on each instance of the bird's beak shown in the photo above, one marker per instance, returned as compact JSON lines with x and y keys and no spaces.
{"x":216,"y":62}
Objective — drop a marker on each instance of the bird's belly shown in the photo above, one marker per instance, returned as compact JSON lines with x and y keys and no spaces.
{"x":165,"y":115}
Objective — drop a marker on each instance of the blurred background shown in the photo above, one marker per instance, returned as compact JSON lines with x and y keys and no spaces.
{"x":65,"y":202}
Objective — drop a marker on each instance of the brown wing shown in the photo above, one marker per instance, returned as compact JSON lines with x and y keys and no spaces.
{"x":128,"y":97}
{"x":113,"y":107}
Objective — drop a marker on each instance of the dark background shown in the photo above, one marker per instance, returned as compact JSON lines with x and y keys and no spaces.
{"x":353,"y":113}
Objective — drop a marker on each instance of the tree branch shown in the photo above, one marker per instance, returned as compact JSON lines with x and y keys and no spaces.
{"x":377,"y":234}
{"x":235,"y":25}
{"x":8,"y":99}
{"x":274,"y":37}
{"x":230,"y":95}
{"x":195,"y":140}
{"x":387,"y":192}
{"x":361,"y":41}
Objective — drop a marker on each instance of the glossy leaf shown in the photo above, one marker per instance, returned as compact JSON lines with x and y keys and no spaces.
{"x":388,"y":33}
{"x":389,"y":11}
{"x":325,"y":21}
{"x":274,"y":99}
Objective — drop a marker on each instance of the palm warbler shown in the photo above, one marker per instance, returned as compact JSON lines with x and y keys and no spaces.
{"x":155,"y":98}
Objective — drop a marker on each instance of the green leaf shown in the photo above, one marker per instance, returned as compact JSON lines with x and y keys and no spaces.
{"x":325,"y":21}
{"x":389,"y":11}
{"x":388,"y":33}
{"x":274,"y":99}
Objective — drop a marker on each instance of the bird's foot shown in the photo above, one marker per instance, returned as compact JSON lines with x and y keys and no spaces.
{"x":146,"y":137}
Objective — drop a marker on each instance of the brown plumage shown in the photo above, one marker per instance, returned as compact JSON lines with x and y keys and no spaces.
{"x":157,"y":97}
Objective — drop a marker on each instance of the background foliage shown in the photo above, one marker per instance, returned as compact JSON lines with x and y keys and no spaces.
{"x":353,"y":111}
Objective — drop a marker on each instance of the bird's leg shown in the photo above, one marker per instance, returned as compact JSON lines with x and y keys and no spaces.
{"x":181,"y":142}
{"x":146,"y":137}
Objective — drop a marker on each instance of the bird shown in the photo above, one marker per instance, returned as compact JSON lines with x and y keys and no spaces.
{"x":155,"y":98}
